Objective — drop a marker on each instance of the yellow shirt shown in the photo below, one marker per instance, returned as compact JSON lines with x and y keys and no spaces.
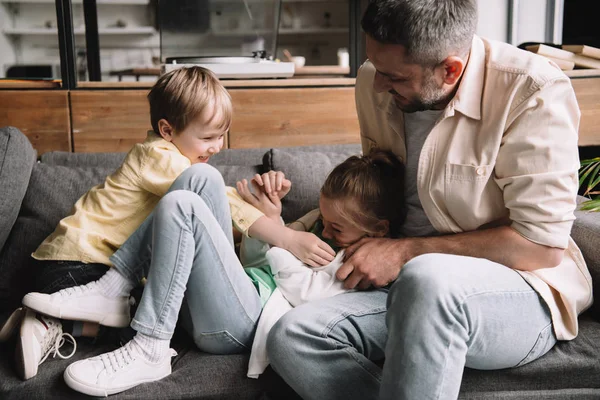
{"x":104,"y":217}
{"x":505,"y":146}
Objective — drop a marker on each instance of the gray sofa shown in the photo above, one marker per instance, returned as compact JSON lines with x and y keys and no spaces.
{"x":36,"y":195}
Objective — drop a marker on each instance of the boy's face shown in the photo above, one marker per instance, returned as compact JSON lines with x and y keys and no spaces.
{"x":335,"y":226}
{"x":198,"y":141}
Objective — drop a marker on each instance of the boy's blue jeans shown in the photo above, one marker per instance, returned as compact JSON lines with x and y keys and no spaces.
{"x":443,"y":313}
{"x":185,"y":250}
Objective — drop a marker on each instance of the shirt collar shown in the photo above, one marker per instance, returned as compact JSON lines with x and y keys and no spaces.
{"x":467,"y":100}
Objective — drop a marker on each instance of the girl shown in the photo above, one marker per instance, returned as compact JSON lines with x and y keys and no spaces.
{"x":361,"y":197}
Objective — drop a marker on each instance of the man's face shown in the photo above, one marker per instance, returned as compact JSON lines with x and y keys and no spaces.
{"x":415,"y":88}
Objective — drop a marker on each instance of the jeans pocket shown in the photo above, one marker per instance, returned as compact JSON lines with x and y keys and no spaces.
{"x":220,"y":342}
{"x":545,"y":341}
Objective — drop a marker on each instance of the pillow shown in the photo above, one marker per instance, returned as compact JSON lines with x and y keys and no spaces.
{"x":17,"y":158}
{"x":307,"y":170}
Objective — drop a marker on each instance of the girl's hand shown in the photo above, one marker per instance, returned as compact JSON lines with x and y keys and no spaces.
{"x":270,"y":205}
{"x":273,"y":183}
{"x":308,"y":248}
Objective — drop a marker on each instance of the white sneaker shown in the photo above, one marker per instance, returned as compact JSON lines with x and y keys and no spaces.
{"x":82,"y":303}
{"x":10,"y":325}
{"x":40,"y":336}
{"x":115,"y":372}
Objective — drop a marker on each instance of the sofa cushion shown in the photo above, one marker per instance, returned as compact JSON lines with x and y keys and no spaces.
{"x":196,"y":375}
{"x":52,"y":191}
{"x":17,"y":158}
{"x":307,"y":170}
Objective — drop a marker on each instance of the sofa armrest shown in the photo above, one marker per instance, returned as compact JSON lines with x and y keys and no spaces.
{"x":586,"y":233}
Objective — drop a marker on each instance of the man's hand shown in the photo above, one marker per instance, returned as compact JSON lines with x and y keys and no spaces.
{"x":308,"y":248}
{"x":373,"y":262}
{"x":270,"y":205}
{"x":273,"y":183}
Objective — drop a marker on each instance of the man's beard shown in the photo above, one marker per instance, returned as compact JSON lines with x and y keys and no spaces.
{"x":430,"y":98}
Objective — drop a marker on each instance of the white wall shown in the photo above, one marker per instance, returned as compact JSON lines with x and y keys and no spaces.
{"x":530,"y":17}
{"x":7,"y":53}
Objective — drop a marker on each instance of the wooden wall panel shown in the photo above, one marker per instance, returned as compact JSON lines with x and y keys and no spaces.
{"x":42,"y":115}
{"x":111,"y":120}
{"x":293,"y":117}
{"x":587,"y":91}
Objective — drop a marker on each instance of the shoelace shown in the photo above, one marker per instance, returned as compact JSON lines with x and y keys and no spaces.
{"x":50,"y":346}
{"x":117,"y":359}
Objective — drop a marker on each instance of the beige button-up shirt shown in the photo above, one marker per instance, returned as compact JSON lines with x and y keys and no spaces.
{"x":505,"y":146}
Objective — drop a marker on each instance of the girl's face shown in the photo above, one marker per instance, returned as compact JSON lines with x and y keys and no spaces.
{"x":198,"y":141}
{"x":336,"y":227}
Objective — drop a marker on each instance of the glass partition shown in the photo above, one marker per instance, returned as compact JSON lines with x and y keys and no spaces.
{"x":29,"y":40}
{"x":232,"y":28}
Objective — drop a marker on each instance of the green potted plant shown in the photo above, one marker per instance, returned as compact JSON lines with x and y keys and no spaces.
{"x":589,"y":183}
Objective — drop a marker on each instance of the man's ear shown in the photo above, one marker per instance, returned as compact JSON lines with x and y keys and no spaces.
{"x":382,"y":228}
{"x":165,"y":130}
{"x":452,"y":69}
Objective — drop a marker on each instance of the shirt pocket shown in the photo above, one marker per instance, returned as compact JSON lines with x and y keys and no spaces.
{"x":472,"y":198}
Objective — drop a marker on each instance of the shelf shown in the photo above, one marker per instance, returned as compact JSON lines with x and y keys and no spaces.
{"x":112,"y":2}
{"x":282,"y":31}
{"x":139,"y":30}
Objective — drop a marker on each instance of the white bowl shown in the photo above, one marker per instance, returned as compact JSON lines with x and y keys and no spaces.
{"x":299,"y":61}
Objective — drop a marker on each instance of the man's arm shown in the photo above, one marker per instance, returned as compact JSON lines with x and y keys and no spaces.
{"x":387,"y":256}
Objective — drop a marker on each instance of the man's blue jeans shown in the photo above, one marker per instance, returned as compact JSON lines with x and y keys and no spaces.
{"x":185,"y":250}
{"x":443,"y":313}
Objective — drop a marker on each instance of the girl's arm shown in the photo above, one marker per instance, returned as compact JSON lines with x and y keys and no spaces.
{"x":304,"y":245}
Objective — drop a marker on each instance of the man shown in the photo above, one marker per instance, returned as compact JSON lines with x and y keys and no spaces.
{"x":485,"y":275}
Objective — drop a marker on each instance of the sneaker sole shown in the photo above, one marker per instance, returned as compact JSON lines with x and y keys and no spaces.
{"x":41,"y":306}
{"x":99,"y":392}
{"x":11,"y":324}
{"x":23,"y":353}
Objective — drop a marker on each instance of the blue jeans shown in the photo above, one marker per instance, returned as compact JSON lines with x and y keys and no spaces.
{"x":185,"y":250}
{"x":443,"y":313}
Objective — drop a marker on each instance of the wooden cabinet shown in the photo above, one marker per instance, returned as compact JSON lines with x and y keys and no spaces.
{"x":269,"y":113}
{"x":114,"y":120}
{"x":587,"y":91}
{"x":42,"y":115}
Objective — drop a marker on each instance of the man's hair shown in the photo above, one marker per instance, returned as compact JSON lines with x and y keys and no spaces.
{"x":185,"y":94}
{"x":374,"y":187}
{"x":430,"y":30}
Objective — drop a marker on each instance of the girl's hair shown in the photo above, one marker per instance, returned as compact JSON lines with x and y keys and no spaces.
{"x":374,"y":185}
{"x":185,"y":94}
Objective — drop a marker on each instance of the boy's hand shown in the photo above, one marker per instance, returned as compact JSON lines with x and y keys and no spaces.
{"x":308,"y":248}
{"x":273,"y":183}
{"x":270,"y":205}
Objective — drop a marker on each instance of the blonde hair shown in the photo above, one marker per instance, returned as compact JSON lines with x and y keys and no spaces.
{"x":373,"y":185}
{"x":185,"y":94}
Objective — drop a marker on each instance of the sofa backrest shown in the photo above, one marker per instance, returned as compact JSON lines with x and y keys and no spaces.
{"x":50,"y":187}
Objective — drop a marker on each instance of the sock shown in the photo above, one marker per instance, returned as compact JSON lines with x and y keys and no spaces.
{"x":151,"y":348}
{"x":113,"y":284}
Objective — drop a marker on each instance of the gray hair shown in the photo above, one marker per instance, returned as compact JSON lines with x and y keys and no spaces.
{"x":430,"y":30}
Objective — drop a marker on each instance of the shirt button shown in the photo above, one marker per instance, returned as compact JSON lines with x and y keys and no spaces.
{"x":242,"y":221}
{"x":480,"y":170}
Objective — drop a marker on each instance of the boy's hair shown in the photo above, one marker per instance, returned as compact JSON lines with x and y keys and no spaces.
{"x":430,"y":30}
{"x":374,"y":185}
{"x":185,"y":94}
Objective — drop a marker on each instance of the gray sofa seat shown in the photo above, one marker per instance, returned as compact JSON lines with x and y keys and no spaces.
{"x":569,"y":371}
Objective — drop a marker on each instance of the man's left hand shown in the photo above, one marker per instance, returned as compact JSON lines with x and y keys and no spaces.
{"x":373,"y":262}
